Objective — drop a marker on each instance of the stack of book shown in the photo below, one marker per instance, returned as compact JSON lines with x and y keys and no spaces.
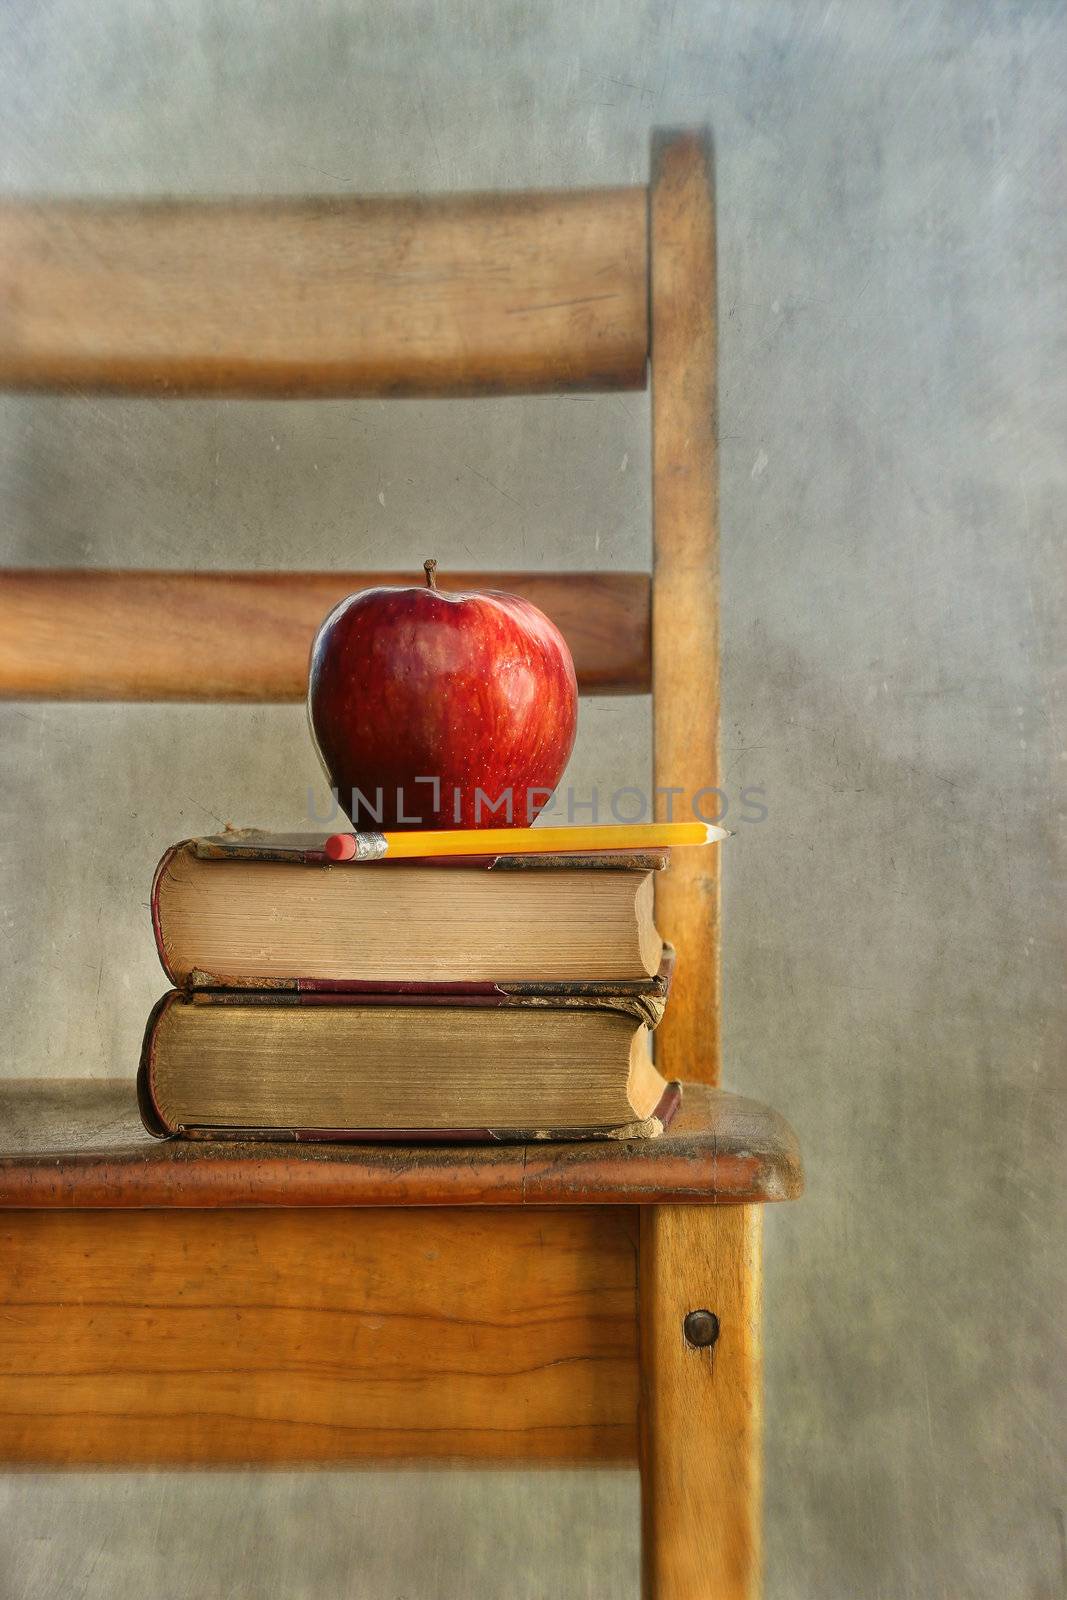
{"x":505,"y":997}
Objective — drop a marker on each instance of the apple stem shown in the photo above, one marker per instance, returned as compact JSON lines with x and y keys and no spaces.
{"x":430,"y":569}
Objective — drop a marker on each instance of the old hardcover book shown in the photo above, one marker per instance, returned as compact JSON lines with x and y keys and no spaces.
{"x":255,"y":910}
{"x":518,"y":1064}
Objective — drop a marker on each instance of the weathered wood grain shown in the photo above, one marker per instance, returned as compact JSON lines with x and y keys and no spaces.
{"x":166,"y":1338}
{"x":700,"y":1468}
{"x":685,"y":600}
{"x":460,"y":294}
{"x":78,"y":1143}
{"x":128,"y":635}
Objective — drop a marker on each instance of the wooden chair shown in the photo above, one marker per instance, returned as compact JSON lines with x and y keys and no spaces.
{"x":181,"y":1304}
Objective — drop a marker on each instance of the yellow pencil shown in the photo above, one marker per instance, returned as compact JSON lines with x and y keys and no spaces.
{"x":521,"y":841}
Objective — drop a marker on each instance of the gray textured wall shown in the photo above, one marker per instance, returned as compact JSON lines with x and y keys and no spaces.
{"x":893,"y":418}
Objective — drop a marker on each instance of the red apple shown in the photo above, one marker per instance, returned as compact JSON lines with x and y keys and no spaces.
{"x":433,"y":708}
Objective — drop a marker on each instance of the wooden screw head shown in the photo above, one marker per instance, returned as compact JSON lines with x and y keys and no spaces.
{"x":701,"y":1329}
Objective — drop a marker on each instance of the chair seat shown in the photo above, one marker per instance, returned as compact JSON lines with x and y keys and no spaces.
{"x":79,"y":1144}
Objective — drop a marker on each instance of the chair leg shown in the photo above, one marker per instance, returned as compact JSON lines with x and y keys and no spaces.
{"x":700,"y":1402}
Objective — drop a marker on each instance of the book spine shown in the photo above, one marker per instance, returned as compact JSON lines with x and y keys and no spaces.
{"x":157,"y":926}
{"x":151,"y":1115}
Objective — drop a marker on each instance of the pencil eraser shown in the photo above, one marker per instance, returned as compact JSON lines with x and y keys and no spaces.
{"x":340,"y":847}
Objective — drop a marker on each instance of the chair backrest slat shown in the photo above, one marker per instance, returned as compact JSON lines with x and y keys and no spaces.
{"x":685,"y":589}
{"x":105,"y":635}
{"x":463,"y":294}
